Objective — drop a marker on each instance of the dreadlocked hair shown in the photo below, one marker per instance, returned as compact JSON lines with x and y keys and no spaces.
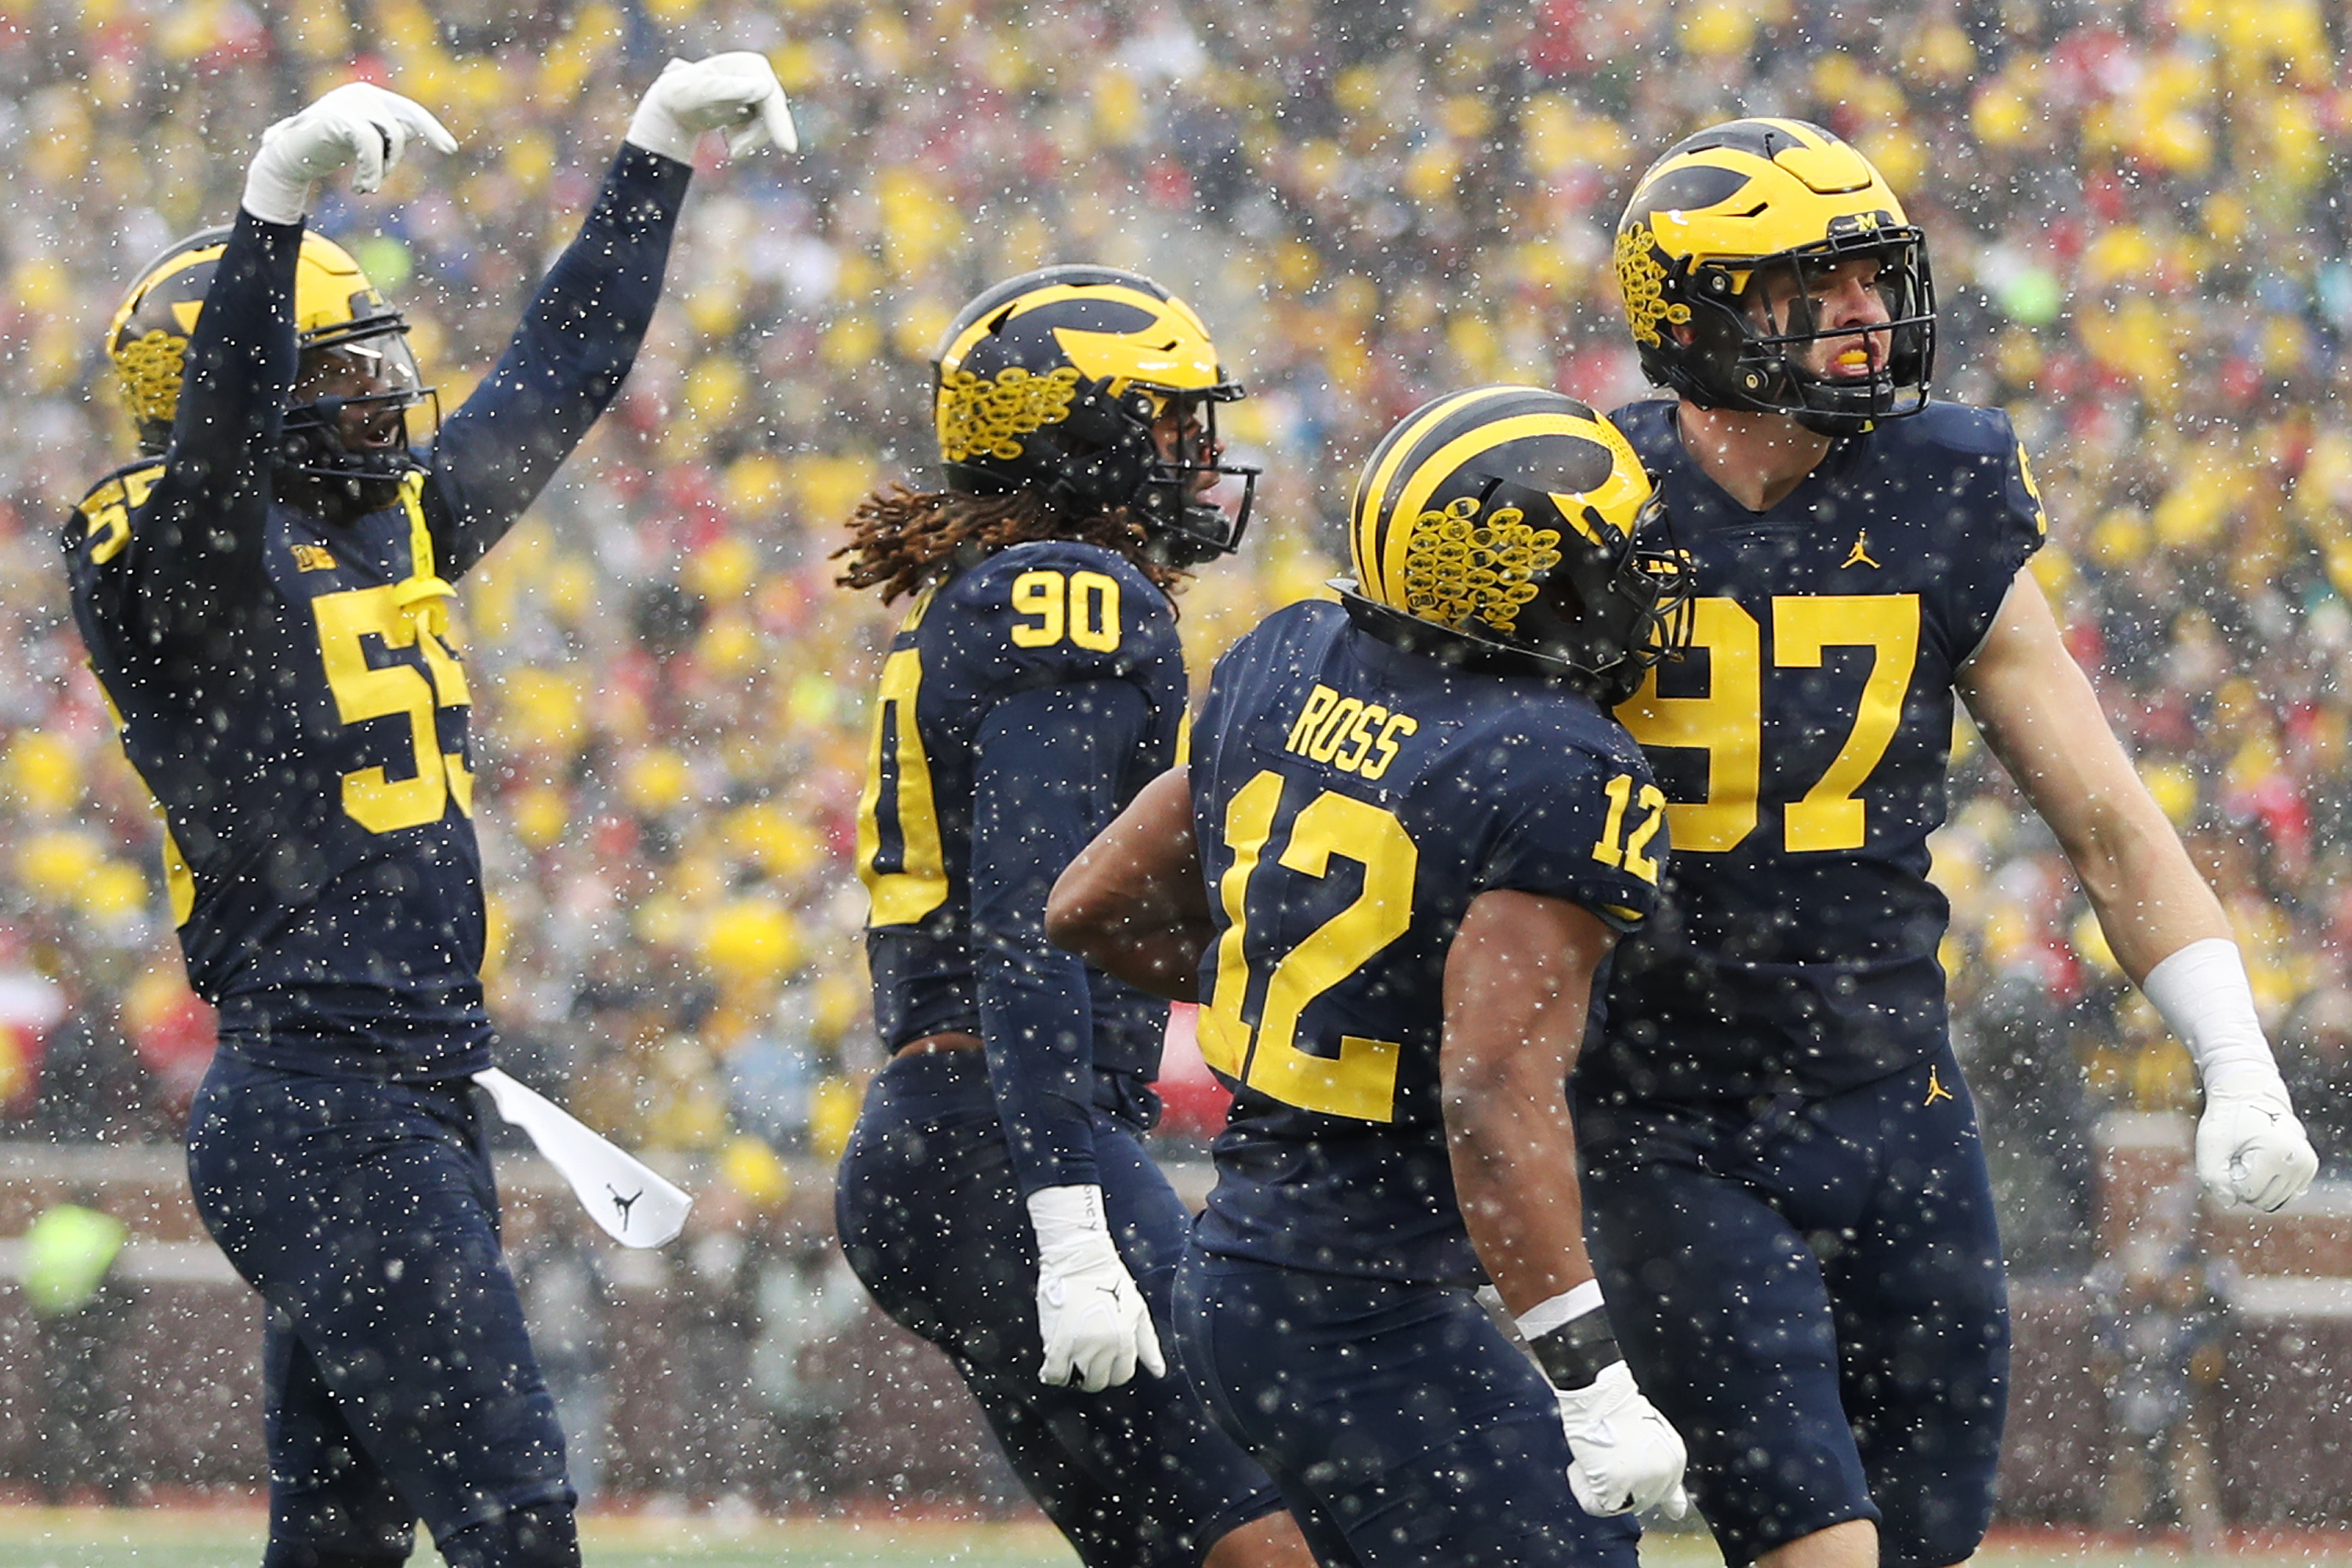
{"x":901,"y":541}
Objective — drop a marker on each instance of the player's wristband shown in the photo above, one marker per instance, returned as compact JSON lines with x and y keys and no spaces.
{"x":1577,"y":1351}
{"x":1570,"y":1336}
{"x":275,"y":197}
{"x":2202,"y":995}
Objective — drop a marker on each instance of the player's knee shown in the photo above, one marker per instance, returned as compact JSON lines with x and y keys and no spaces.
{"x":542,"y":1535}
{"x":1852,"y":1543}
{"x":1272,"y":1541}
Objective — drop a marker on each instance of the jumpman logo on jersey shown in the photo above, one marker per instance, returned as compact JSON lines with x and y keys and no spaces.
{"x":622,"y":1206}
{"x":1860,"y":555}
{"x":1936,"y":1089}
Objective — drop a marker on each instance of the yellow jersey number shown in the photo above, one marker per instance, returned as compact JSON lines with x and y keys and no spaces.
{"x":1082,"y":606}
{"x":1361,"y":1081}
{"x":106,"y":515}
{"x":363,"y":690}
{"x":1727,"y":724}
{"x":897,"y":795}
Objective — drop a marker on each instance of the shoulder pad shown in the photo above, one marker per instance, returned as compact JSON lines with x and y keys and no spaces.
{"x":1645,"y":421}
{"x":1957,"y":427}
{"x":102,"y":518}
{"x":131,"y":482}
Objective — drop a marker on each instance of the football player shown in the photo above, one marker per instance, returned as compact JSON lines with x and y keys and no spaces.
{"x":995,"y":1197}
{"x":262,"y":594}
{"x":1406,"y":842}
{"x":1786,"y":1190}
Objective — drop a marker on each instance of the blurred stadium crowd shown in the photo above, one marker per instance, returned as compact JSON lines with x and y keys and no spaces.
{"x":2140,"y":231}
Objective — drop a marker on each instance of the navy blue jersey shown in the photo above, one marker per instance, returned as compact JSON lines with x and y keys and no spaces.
{"x":1350,"y":801}
{"x":287,"y":688}
{"x":1803,"y":742}
{"x":1024,"y":703}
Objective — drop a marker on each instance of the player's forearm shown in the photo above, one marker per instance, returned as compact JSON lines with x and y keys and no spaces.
{"x":1133,"y":904}
{"x":1036,"y":1028}
{"x":2147,"y":895}
{"x":2149,"y":898}
{"x":210,"y":509}
{"x":1155,"y":949}
{"x":566,"y":364}
{"x":1036,"y":1010}
{"x":1518,"y":984}
{"x":1042,"y":782}
{"x":1514,"y":1159}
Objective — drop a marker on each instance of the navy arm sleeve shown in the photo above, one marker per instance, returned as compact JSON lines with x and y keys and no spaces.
{"x":196,"y":555}
{"x":1045,"y":781}
{"x":564,"y":365}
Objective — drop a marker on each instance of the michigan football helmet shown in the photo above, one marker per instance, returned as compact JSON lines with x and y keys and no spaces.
{"x":348,"y":337}
{"x":1053,"y":381}
{"x":1512,"y":527}
{"x":1715,"y":218}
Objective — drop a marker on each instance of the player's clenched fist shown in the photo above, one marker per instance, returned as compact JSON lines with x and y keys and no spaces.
{"x":1627,"y":1457}
{"x":2251,"y":1149}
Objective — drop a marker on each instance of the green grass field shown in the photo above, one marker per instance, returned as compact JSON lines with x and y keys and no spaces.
{"x":97,"y":1538}
{"x":163,"y":1537}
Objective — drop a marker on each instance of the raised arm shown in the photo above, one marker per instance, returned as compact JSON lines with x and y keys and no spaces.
{"x":579,"y":334}
{"x":2042,"y":717}
{"x":196,"y":553}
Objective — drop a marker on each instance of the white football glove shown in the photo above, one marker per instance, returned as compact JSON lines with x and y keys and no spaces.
{"x":2251,"y":1149}
{"x":358,"y":126}
{"x":1627,"y":1457}
{"x":737,"y":93}
{"x":1092,"y":1317}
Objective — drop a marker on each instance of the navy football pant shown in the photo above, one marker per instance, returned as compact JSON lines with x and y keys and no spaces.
{"x":399,"y":1378}
{"x":1812,"y":1292}
{"x":932,"y":1222}
{"x":1404,"y":1429}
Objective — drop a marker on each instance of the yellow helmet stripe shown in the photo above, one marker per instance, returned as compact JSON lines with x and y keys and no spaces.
{"x":1370,"y":558}
{"x":1821,"y":179}
{"x":1188,"y":363}
{"x":1618,"y":498}
{"x":156,"y":278}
